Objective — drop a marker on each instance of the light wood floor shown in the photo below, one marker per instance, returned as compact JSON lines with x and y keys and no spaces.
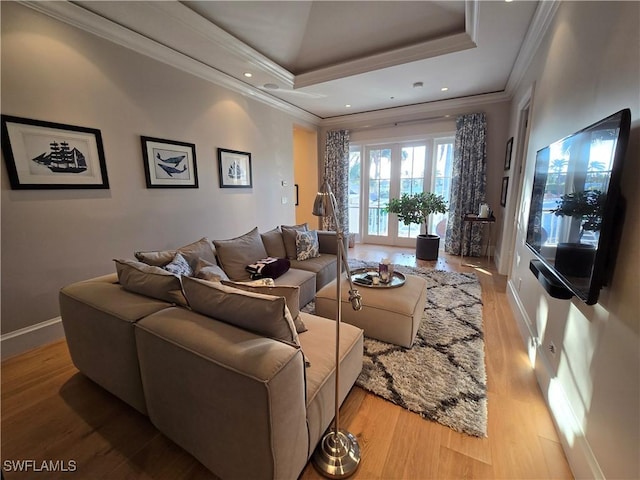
{"x":51,"y":412}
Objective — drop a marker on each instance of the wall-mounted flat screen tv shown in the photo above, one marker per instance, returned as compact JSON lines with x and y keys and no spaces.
{"x":576,"y":207}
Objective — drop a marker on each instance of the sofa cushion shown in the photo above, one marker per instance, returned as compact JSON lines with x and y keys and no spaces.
{"x":289,"y":238}
{"x":290,"y":293}
{"x":263,"y":314}
{"x":201,"y":249}
{"x":236,"y":253}
{"x":179,"y":266}
{"x":273,"y":243}
{"x":149,"y":280}
{"x":302,"y":278}
{"x":324,"y":267}
{"x":208,"y":271}
{"x":307,"y":245}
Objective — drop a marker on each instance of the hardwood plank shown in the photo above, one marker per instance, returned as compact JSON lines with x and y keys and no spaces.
{"x":50,"y":411}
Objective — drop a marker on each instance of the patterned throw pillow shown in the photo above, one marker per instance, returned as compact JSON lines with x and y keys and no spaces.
{"x":179,"y":266}
{"x":307,"y":245}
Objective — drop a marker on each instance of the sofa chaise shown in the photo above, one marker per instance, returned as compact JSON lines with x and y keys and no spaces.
{"x":237,"y":378}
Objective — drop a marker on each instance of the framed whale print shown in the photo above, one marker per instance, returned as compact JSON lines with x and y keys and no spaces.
{"x":45,"y":155}
{"x":169,"y":163}
{"x":234,"y":169}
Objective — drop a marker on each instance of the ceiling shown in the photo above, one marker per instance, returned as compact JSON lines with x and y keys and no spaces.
{"x":320,"y":56}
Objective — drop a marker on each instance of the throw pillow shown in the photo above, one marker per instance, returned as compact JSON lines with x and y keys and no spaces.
{"x":150,"y":281}
{"x":269,"y":268}
{"x":273,"y":243}
{"x":192,"y":253}
{"x":208,"y":271}
{"x":262,"y":314}
{"x":289,"y":238}
{"x":236,"y":253}
{"x":307,"y":245}
{"x":179,"y":266}
{"x":290,"y":293}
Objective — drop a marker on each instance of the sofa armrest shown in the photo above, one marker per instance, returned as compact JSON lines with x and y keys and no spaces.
{"x":328,"y":244}
{"x":219,"y":391}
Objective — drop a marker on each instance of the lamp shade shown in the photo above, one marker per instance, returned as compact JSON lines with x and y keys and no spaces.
{"x":322,"y":201}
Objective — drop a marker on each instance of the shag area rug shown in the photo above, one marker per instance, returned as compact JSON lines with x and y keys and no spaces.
{"x":442,"y":377}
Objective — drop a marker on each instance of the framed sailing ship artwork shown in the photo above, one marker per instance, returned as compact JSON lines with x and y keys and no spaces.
{"x":44,"y":155}
{"x":169,"y":163}
{"x":234,"y":169}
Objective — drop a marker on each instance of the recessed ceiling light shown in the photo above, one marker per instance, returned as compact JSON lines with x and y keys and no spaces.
{"x":444,"y":89}
{"x":348,"y":105}
{"x":418,"y":85}
{"x":391,"y":98}
{"x":248,"y":74}
{"x":271,"y":86}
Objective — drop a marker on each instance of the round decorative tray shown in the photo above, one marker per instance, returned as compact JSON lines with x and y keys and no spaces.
{"x":362,"y":276}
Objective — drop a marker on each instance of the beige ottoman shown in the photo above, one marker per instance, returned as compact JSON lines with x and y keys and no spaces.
{"x":389,"y":314}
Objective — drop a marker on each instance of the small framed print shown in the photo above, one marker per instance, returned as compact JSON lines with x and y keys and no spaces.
{"x":234,"y":169}
{"x":503,"y":193}
{"x":507,"y":156}
{"x":169,"y":163}
{"x":46,"y":155}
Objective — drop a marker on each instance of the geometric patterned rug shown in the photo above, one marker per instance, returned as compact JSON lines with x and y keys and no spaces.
{"x":442,"y":377}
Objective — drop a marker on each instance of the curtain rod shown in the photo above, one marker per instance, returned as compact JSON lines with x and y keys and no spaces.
{"x":399,"y":123}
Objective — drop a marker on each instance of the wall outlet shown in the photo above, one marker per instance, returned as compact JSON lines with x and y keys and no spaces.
{"x":285,"y":200}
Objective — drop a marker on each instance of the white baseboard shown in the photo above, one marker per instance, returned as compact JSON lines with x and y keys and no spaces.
{"x":24,"y":339}
{"x":579,"y":454}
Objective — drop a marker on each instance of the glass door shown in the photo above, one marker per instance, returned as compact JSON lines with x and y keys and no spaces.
{"x":389,"y":171}
{"x":392,"y":170}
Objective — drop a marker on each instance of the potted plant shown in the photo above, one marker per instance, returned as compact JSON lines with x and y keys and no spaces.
{"x":575,"y":258}
{"x":416,"y":208}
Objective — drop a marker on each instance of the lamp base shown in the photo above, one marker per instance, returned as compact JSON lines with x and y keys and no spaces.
{"x":337,"y":457}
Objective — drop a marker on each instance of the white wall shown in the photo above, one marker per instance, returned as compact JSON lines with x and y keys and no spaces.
{"x":587,"y":68}
{"x":54,"y":72}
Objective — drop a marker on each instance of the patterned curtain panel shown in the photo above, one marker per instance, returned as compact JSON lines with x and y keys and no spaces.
{"x":467,"y":185}
{"x":336,"y":172}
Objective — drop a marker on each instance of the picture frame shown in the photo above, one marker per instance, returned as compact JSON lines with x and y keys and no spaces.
{"x":169,"y":163}
{"x":41,"y":155}
{"x":507,"y":156}
{"x":234,"y":169}
{"x":503,"y":193}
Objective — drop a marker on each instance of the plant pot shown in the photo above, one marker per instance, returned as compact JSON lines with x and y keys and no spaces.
{"x":427,"y":247}
{"x":575,"y":259}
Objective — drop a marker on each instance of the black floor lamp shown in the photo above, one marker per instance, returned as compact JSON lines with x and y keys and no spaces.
{"x":338,"y":454}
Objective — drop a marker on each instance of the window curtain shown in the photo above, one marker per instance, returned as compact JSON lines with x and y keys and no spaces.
{"x":336,"y":172}
{"x":468,"y":185}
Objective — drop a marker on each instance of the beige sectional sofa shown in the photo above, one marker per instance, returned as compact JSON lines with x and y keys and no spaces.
{"x":238,"y":379}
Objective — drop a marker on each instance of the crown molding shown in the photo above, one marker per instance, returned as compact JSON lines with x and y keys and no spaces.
{"x":195,"y":23}
{"x":542,"y":18}
{"x":398,"y":56}
{"x":412,"y":113}
{"x":391,"y":58}
{"x":90,"y":22}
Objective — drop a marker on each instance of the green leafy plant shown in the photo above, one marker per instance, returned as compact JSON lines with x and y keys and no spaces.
{"x":416,"y":208}
{"x":586,"y":205}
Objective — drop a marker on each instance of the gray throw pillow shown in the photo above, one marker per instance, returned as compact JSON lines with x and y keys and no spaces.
{"x":208,"y":271}
{"x":192,"y":253}
{"x":291,"y":294}
{"x":289,"y":237}
{"x":236,"y":253}
{"x":150,"y":281}
{"x":262,"y":314}
{"x":273,"y":243}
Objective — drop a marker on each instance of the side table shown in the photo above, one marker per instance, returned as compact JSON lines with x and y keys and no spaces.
{"x":469,"y":219}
